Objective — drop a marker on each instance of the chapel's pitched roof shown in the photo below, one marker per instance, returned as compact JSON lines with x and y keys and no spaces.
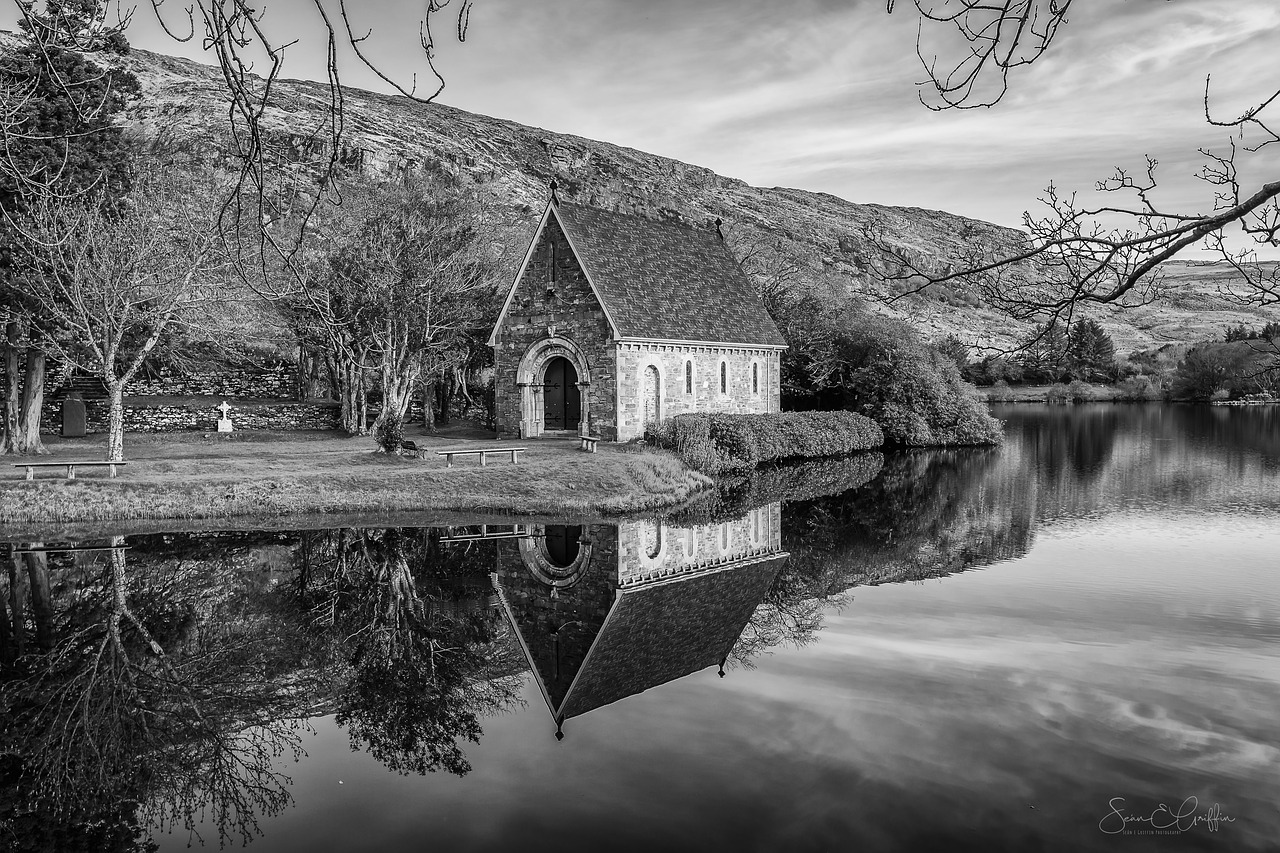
{"x":666,"y":281}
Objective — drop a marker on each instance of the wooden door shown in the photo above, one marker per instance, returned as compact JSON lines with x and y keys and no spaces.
{"x":562,"y":544}
{"x":561,"y":399}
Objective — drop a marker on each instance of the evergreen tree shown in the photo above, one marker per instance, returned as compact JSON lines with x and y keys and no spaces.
{"x":1091,"y":354}
{"x":1044,"y":355}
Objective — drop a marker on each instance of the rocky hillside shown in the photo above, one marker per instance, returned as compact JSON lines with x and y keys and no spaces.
{"x":819,"y":238}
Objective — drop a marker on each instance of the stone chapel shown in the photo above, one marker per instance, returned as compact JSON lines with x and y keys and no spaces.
{"x":616,"y":322}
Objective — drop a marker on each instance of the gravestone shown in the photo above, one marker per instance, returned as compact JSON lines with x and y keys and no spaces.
{"x":73,"y":416}
{"x":224,"y":423}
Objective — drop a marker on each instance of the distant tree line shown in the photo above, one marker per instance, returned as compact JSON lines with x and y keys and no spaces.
{"x":1245,"y":363}
{"x":1049,"y":354}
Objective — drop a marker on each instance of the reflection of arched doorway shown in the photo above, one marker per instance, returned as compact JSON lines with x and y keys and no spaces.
{"x":562,"y":544}
{"x":557,"y":554}
{"x":561,"y":398}
{"x":650,"y":391}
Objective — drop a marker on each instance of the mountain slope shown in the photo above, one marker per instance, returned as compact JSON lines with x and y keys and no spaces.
{"x":820,"y":239}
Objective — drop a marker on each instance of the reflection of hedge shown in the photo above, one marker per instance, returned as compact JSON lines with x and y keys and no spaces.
{"x":719,"y":443}
{"x":799,"y":481}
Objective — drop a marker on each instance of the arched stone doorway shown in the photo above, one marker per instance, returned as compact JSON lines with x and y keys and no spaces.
{"x":561,"y":397}
{"x":554,"y":365}
{"x":558,"y":555}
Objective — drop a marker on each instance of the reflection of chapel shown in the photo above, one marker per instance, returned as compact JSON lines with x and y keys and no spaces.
{"x":615,"y":322}
{"x":604,"y":612}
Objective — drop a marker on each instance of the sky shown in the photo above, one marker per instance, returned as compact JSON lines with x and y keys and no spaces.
{"x":822,"y":94}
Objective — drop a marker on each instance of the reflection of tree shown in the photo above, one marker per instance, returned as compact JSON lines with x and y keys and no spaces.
{"x":417,"y":676}
{"x":127,"y":715}
{"x":737,"y":495}
{"x":928,"y":513}
{"x":1075,"y":445}
{"x":162,"y":688}
{"x":790,"y":615}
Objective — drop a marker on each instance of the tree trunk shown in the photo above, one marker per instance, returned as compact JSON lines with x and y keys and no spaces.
{"x":429,"y":405}
{"x":32,"y":402}
{"x":18,"y":605}
{"x":41,"y":598}
{"x":8,"y":653}
{"x":115,"y":422}
{"x":444,"y":393}
{"x":12,"y":334}
{"x":362,"y":403}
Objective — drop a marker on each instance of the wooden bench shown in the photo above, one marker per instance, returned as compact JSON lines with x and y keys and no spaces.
{"x":407,"y":446}
{"x":482,"y":452}
{"x":70,"y":466}
{"x":589,"y":442}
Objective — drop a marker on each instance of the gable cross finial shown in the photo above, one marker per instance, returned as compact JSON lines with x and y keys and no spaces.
{"x":555,"y":199}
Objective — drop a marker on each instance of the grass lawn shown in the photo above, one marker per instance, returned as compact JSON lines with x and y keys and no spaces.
{"x":193,"y":475}
{"x":1036,"y":393}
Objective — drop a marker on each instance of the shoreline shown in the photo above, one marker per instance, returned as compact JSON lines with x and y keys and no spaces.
{"x":268,"y":477}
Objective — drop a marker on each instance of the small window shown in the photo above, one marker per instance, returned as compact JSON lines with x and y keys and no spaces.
{"x":688,"y":377}
{"x":755,"y":379}
{"x":724,"y":377}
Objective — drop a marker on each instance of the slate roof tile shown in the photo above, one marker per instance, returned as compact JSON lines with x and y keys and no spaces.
{"x":660,"y":633}
{"x":665,"y":280}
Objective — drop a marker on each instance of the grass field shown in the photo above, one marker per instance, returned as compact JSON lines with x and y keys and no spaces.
{"x":1036,"y":393}
{"x":200,"y":476}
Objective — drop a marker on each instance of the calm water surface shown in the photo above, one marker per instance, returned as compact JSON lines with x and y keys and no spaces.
{"x":1012,"y":649}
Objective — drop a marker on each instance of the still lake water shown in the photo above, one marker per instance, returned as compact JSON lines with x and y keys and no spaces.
{"x":1011,"y":649}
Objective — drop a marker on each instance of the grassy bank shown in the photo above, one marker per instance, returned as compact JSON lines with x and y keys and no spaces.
{"x":1042,"y":393}
{"x":194,"y":476}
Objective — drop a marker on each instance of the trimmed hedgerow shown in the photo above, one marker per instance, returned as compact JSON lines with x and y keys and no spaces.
{"x":721,"y":443}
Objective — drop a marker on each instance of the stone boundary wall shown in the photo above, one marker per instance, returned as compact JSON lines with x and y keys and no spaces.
{"x":142,"y":417}
{"x":269,"y":383}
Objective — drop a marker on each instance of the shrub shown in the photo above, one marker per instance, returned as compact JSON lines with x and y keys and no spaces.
{"x":1138,"y":388}
{"x":389,"y":434}
{"x":847,"y":357}
{"x":1057,"y":393}
{"x":1000,"y":393}
{"x":722,"y":443}
{"x":1205,"y":371}
{"x":1079,"y":391}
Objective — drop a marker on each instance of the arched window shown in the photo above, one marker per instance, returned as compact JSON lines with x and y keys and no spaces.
{"x":652,"y":539}
{"x":724,"y":377}
{"x":688,"y":377}
{"x":755,"y":378}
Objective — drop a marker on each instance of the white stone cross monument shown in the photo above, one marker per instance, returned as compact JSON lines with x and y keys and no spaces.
{"x":224,"y":424}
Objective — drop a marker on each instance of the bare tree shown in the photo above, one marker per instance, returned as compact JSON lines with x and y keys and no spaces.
{"x":1077,"y":254}
{"x":400,"y":288}
{"x":113,"y":283}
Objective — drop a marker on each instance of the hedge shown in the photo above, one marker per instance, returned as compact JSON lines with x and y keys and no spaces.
{"x":721,"y":443}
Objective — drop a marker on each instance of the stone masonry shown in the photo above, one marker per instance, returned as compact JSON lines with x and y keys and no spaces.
{"x":545,"y":308}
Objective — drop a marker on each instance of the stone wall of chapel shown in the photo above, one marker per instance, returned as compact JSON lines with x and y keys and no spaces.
{"x":651,"y":550}
{"x":576,"y":314}
{"x":539,"y":615}
{"x":670,"y":359}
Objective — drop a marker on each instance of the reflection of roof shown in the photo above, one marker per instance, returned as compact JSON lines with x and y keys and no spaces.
{"x":637,"y":264}
{"x":661,"y":632}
